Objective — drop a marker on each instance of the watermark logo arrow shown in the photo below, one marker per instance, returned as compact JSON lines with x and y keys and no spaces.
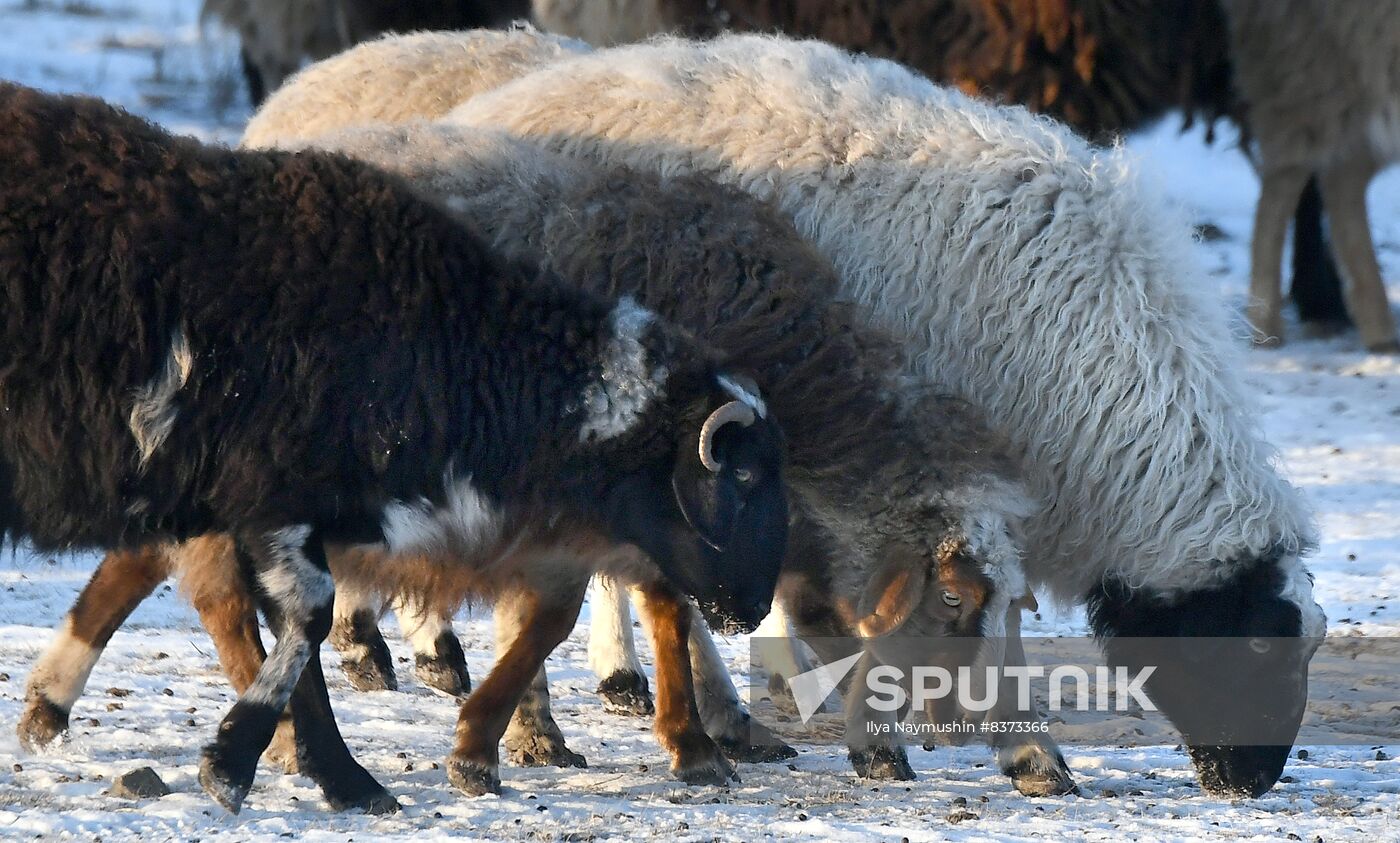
{"x":810,"y":689}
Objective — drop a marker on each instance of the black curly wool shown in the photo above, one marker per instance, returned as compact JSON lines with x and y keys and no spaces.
{"x":347,"y":344}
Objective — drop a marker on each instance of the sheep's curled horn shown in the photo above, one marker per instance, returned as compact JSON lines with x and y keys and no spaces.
{"x":734,"y":411}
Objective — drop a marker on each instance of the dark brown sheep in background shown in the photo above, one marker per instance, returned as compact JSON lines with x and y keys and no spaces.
{"x":1105,"y":67}
{"x":279,"y":36}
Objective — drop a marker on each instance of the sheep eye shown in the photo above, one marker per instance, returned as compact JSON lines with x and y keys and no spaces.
{"x":951,"y":599}
{"x":1259,"y":645}
{"x":743,"y":475}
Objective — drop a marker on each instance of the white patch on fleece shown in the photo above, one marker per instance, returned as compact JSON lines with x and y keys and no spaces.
{"x":988,"y":511}
{"x":1298,"y":590}
{"x":62,"y":672}
{"x":754,"y":400}
{"x":466,"y":519}
{"x":152,"y":411}
{"x":627,"y":384}
{"x":295,"y":583}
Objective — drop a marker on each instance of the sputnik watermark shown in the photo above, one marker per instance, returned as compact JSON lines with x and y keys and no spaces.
{"x":890,"y":690}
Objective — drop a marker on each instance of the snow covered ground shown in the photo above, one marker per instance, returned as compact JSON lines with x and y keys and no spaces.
{"x":1333,"y":412}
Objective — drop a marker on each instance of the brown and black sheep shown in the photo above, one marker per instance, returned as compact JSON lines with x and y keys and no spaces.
{"x":922,"y":503}
{"x":279,"y":36}
{"x":295,"y":350}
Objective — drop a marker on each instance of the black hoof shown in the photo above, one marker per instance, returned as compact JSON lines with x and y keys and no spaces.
{"x":41,"y":725}
{"x":697,"y":760}
{"x":228,"y":787}
{"x":374,"y":801}
{"x":755,"y":744}
{"x":1042,"y":776}
{"x":540,"y":751}
{"x":472,"y":778}
{"x":446,"y":673}
{"x":1321,"y":329}
{"x":884,"y":763}
{"x":626,"y":692}
{"x":715,"y":772}
{"x":374,"y":672}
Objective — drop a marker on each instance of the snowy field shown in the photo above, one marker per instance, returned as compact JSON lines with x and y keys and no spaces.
{"x":1333,"y":412}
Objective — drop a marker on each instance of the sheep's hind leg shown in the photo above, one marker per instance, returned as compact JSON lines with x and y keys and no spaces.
{"x":532,"y":739}
{"x":546,"y":618}
{"x":364,"y":655}
{"x":612,"y":653}
{"x":118,"y":586}
{"x":226,"y":608}
{"x":1278,"y":197}
{"x":1344,"y":193}
{"x":695,"y":758}
{"x":289,"y":573}
{"x":1317,"y":283}
{"x":739,"y":736}
{"x":438,"y":660}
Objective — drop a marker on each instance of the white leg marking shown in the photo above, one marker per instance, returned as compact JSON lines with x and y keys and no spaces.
{"x":279,"y":675}
{"x":421,"y":627}
{"x":63,"y":670}
{"x":611,"y":647}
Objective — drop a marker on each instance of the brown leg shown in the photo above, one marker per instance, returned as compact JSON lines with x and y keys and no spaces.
{"x":546,"y":618}
{"x":533,"y":739}
{"x":1278,"y":197}
{"x":230,"y":617}
{"x":1344,"y":192}
{"x":695,"y":758}
{"x":121,"y":582}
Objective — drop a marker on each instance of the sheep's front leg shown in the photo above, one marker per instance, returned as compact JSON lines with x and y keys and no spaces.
{"x":533,"y":739}
{"x":438,"y":659}
{"x":546,"y":619}
{"x":695,"y":758}
{"x":287,"y":568}
{"x":612,"y":653}
{"x":872,"y":733}
{"x":118,"y":586}
{"x":740,"y":736}
{"x":1024,"y":752}
{"x":364,"y":654}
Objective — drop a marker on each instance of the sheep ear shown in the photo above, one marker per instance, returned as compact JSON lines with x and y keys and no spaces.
{"x":892,"y":595}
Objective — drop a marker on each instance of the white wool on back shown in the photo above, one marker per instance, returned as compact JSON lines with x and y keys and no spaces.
{"x":1031,"y":273}
{"x":397,"y":78}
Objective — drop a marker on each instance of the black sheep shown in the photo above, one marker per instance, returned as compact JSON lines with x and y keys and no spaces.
{"x":293,"y":349}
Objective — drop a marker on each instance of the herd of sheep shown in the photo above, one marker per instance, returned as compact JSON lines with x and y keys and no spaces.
{"x":744,"y":326}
